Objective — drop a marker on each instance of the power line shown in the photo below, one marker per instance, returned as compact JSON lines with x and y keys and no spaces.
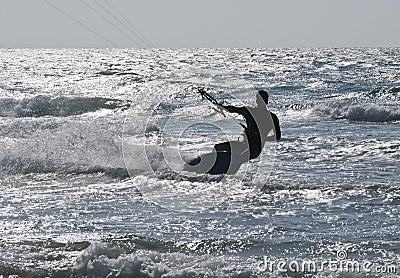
{"x":119,"y":21}
{"x":110,"y":22}
{"x":80,"y":23}
{"x":133,"y":29}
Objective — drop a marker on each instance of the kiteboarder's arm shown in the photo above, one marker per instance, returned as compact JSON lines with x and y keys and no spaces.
{"x":277,"y":129}
{"x":234,"y":109}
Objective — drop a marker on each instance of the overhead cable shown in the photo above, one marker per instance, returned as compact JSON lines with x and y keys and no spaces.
{"x":80,"y":23}
{"x":111,"y":23}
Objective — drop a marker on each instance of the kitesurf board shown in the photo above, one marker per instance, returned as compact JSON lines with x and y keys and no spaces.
{"x":215,"y":163}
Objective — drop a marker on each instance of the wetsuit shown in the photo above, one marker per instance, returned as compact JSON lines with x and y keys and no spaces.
{"x":255,"y":140}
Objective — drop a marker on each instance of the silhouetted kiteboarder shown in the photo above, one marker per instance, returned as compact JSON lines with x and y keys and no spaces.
{"x":261,"y":126}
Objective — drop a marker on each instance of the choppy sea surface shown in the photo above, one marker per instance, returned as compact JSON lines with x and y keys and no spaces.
{"x":76,"y":202}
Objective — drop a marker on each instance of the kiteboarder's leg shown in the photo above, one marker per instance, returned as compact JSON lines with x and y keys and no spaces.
{"x":223,"y":147}
{"x":255,"y":144}
{"x":231,"y":146}
{"x":228,"y":157}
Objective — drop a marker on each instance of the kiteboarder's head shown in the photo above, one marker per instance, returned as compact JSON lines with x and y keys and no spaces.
{"x":262,"y":97}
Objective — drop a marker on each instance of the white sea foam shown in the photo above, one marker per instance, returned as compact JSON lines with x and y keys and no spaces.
{"x":358,"y":112}
{"x":101,"y":259}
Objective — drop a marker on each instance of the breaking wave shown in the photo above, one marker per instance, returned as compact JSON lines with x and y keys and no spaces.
{"x":100,"y":258}
{"x":358,"y":112}
{"x":40,"y":106}
{"x":25,"y":165}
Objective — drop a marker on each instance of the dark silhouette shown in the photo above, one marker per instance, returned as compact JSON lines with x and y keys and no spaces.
{"x":259,"y":123}
{"x":227,"y":157}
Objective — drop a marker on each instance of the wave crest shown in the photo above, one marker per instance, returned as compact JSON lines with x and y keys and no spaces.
{"x":26,"y":165}
{"x":100,"y":258}
{"x":358,"y":112}
{"x":40,"y":106}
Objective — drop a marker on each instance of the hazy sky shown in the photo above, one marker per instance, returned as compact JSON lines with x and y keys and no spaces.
{"x":202,"y":23}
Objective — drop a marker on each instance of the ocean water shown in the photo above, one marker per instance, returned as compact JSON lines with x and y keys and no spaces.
{"x":92,"y":141}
